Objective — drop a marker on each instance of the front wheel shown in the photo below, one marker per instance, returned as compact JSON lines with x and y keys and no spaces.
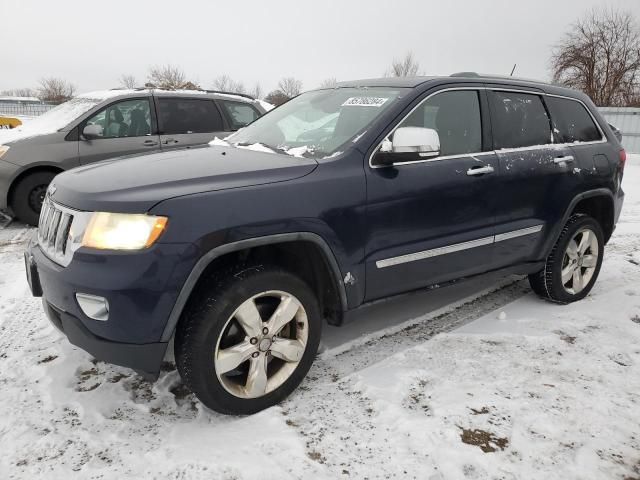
{"x":573,"y":266}
{"x":28,"y":196}
{"x":247,"y":339}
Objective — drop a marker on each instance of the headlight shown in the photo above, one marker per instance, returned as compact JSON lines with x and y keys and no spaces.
{"x":122,"y":231}
{"x":3,"y":149}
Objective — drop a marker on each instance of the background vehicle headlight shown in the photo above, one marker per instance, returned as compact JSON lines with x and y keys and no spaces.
{"x":122,"y":231}
{"x":3,"y":149}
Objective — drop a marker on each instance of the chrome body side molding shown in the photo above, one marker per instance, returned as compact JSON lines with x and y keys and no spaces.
{"x":457,"y":247}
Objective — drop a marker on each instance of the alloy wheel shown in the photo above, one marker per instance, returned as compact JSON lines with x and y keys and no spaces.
{"x":261,"y":344}
{"x":580,"y":261}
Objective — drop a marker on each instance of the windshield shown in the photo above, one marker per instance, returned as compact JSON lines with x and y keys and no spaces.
{"x":51,"y":121}
{"x":319,"y":123}
{"x":63,"y":114}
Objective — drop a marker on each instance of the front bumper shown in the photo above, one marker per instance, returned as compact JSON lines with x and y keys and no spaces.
{"x":141,"y":289}
{"x":145,"y":359}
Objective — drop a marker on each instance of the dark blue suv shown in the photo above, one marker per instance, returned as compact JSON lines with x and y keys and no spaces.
{"x":240,"y":250}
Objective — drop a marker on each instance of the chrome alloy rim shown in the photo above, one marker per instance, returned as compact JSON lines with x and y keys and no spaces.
{"x":261,"y":344}
{"x":579,"y":261}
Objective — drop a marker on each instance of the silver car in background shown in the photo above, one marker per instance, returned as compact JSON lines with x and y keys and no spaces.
{"x":114,"y":123}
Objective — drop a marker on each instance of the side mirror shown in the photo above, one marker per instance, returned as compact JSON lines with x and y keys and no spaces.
{"x":407,"y":141}
{"x":424,"y":141}
{"x":92,"y":131}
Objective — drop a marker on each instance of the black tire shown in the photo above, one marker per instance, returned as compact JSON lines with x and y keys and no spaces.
{"x":205,"y":317}
{"x":548,"y":282}
{"x":28,"y":194}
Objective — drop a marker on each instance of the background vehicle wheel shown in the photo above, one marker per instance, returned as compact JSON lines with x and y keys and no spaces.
{"x":28,"y":196}
{"x":247,"y":339}
{"x":573,"y":266}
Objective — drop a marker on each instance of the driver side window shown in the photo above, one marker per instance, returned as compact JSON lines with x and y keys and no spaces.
{"x":129,"y":118}
{"x":455,"y":116}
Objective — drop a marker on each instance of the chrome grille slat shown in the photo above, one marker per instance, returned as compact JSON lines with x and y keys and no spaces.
{"x":47,"y":223}
{"x":54,"y":230}
{"x":63,"y":232}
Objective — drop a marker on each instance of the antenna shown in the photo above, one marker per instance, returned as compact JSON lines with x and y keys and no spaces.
{"x":513,"y":69}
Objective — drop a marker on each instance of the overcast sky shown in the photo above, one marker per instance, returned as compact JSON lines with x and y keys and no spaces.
{"x":93,"y":43}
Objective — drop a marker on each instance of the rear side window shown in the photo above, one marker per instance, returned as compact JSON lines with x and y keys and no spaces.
{"x":241,"y":114}
{"x":455,"y":115}
{"x":519,"y":120}
{"x":571,"y":121}
{"x":186,"y":115}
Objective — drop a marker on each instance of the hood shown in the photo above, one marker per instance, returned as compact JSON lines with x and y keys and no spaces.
{"x":137,"y":183}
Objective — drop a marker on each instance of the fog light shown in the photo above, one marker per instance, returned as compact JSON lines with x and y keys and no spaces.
{"x":93,"y":306}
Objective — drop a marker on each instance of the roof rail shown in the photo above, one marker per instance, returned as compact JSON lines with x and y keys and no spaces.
{"x":498,"y":77}
{"x":127,"y":88}
{"x":245,"y":95}
{"x":465,"y":74}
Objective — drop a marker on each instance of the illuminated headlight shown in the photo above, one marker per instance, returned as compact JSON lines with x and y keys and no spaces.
{"x":3,"y":149}
{"x":122,"y":231}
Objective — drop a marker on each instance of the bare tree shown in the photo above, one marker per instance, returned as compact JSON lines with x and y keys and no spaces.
{"x":225,"y":83}
{"x":169,"y":77}
{"x":128,"y":81}
{"x":404,"y":67}
{"x":329,"y":83}
{"x":600,"y":55}
{"x":55,"y":90}
{"x":290,"y":86}
{"x":20,"y":92}
{"x":276,"y":97}
{"x":256,"y":91}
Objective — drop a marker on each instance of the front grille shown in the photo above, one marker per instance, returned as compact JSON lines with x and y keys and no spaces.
{"x":53,"y":230}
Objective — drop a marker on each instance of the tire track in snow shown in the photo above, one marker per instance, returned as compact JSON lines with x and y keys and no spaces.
{"x":338,"y":420}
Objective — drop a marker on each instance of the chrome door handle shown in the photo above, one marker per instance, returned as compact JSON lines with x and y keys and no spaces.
{"x":150,"y":143}
{"x":480,"y":170}
{"x":564,"y":159}
{"x":170,"y":140}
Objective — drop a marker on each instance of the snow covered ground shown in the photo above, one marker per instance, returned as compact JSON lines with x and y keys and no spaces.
{"x":479,"y":380}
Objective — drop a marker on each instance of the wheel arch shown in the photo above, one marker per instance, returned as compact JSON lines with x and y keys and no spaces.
{"x":598,"y":203}
{"x":246,"y":246}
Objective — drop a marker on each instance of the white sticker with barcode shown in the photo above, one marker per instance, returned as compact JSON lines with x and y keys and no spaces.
{"x":364,"y":102}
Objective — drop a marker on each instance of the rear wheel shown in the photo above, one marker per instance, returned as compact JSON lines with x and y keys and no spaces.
{"x":573,"y":266}
{"x":28,"y":196}
{"x":247,"y":339}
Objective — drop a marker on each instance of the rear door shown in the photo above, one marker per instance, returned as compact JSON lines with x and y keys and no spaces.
{"x":537,"y":174}
{"x":128,"y":127}
{"x":186,"y":122}
{"x":576,"y":128}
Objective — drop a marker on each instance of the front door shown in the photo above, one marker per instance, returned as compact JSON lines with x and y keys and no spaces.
{"x":432,"y":220}
{"x":128,"y":127}
{"x":187,"y":122}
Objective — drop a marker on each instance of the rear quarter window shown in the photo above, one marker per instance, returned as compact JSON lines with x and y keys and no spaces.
{"x":240,"y":114}
{"x":571,"y":121}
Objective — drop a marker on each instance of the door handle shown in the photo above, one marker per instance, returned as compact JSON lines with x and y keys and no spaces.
{"x":564,"y":159}
{"x":169,"y":141}
{"x":480,"y":170}
{"x":150,"y":143}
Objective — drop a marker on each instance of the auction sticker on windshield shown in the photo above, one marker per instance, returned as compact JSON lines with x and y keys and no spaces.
{"x":364,"y":102}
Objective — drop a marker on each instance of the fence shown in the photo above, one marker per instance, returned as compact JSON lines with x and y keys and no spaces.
{"x":627,"y":120}
{"x":24,"y":110}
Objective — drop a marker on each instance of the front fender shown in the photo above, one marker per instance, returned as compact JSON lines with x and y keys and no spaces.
{"x":221,"y":250}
